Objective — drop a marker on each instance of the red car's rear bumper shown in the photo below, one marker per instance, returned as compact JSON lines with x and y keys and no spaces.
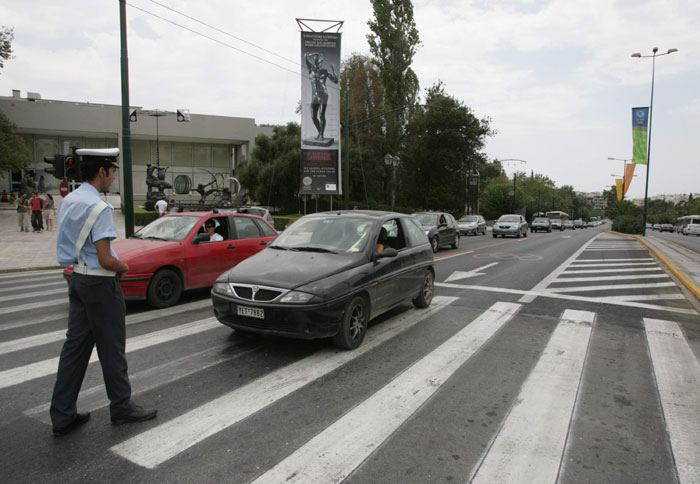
{"x":134,"y":286}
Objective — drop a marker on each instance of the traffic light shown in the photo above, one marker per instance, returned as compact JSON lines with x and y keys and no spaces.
{"x":58,"y":165}
{"x":73,"y":168}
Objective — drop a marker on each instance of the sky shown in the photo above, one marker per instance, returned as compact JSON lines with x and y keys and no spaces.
{"x":555,"y":77}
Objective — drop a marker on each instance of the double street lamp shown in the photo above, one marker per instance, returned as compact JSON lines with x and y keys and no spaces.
{"x":515,"y":173}
{"x":393,"y":162}
{"x":653,"y":56}
{"x":624,"y":172}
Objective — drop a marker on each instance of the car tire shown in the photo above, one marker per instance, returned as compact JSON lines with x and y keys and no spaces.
{"x":525,"y":234}
{"x":495,"y":236}
{"x":455,"y":244}
{"x":164,"y":289}
{"x":435,"y":244}
{"x":425,"y":297}
{"x":354,"y":325}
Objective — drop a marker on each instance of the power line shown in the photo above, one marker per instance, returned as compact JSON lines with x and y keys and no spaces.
{"x":224,"y":32}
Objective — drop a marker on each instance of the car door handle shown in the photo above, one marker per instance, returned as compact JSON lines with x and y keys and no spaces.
{"x":263,"y":242}
{"x":231,"y":247}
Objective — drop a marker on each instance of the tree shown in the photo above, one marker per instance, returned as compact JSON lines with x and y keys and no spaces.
{"x":7,"y":35}
{"x":14,"y":153}
{"x":444,"y":143}
{"x":272,"y":174}
{"x":367,"y":180}
{"x":393,"y":43}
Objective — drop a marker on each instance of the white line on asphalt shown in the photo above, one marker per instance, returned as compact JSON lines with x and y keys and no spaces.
{"x":641,"y":259}
{"x":457,"y":275}
{"x":34,"y":281}
{"x":617,"y":250}
{"x":677,"y":374}
{"x":52,"y":337}
{"x":555,"y":273}
{"x":335,"y":453}
{"x":608,"y":271}
{"x":571,"y":297}
{"x":530,"y":444}
{"x":37,"y":294}
{"x":43,"y":368}
{"x":575,"y":265}
{"x":168,"y":439}
{"x":609,"y":278}
{"x":29,"y":274}
{"x":34,"y":287}
{"x":607,"y":287}
{"x":93,"y":398}
{"x":35,"y":305}
{"x":644,"y":297}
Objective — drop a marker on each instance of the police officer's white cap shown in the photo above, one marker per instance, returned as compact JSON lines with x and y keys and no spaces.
{"x":99,"y":155}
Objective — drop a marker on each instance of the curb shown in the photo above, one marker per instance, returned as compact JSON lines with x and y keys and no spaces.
{"x":27,"y":269}
{"x":690,"y":285}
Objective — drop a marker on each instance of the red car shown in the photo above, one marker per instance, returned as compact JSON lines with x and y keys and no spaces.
{"x":174,"y":253}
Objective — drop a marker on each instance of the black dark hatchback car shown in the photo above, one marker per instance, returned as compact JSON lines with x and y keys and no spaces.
{"x":440,"y":227}
{"x":328,"y":275}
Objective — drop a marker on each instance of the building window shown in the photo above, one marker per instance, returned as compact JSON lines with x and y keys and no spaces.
{"x":221,"y":155}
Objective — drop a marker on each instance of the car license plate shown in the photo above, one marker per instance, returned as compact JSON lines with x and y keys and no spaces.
{"x":250,"y":312}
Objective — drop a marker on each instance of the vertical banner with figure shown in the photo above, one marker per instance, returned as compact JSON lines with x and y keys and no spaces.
{"x":640,"y":125}
{"x":320,"y":114}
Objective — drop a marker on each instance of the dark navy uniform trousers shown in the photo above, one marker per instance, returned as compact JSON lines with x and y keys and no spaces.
{"x":96,"y":317}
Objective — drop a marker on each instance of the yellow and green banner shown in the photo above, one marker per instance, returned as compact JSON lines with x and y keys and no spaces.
{"x":640,"y":125}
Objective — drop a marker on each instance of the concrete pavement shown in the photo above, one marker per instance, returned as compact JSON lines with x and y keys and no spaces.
{"x":25,"y":251}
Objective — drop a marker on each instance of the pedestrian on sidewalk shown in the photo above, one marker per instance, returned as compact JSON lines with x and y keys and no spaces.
{"x":49,"y":212}
{"x":162,"y":206}
{"x":96,"y":313}
{"x":23,"y":212}
{"x":37,"y":205}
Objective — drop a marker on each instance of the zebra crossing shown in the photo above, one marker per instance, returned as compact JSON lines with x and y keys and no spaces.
{"x":529,"y":443}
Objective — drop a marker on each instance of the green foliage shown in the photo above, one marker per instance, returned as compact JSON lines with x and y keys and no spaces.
{"x":14,"y":153}
{"x":141,"y":216}
{"x":7,"y":35}
{"x":444,"y":143}
{"x":393,"y":42}
{"x":628,"y":224}
{"x":272,"y":174}
{"x":497,"y":200}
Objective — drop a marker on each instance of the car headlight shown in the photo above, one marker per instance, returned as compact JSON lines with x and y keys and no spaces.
{"x":223,"y":288}
{"x":296,"y":297}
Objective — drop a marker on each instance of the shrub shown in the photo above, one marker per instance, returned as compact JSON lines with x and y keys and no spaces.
{"x":628,"y":224}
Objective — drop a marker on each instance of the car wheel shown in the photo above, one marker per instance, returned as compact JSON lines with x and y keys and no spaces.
{"x":495,"y":236}
{"x":456,"y":242}
{"x":426,"y":293}
{"x":435,"y":243}
{"x":165,"y":289}
{"x":525,"y":234}
{"x":354,"y":325}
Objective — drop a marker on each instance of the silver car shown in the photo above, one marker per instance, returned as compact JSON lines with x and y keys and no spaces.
{"x":472,"y":225}
{"x":510,"y":224}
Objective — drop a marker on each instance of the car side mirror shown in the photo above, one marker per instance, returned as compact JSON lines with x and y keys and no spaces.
{"x":199,"y":238}
{"x":387,"y":252}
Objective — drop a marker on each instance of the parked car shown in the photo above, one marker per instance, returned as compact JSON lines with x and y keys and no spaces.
{"x":510,"y":224}
{"x":472,"y":225}
{"x":666,"y":228}
{"x":259,"y":211}
{"x":328,"y":275}
{"x":440,"y":227}
{"x":173,"y":253}
{"x":541,"y":224}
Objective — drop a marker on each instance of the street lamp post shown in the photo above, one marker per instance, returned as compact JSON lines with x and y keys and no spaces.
{"x":157,"y":113}
{"x":651,"y":109}
{"x":394,"y":162}
{"x":624,"y":172}
{"x":515,"y":172}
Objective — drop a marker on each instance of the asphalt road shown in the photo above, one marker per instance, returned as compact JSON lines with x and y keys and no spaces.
{"x":688,"y":241}
{"x":569,"y":357}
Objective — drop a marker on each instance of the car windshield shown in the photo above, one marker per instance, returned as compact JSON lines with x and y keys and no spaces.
{"x":332,"y":234}
{"x":469,"y":218}
{"x":168,"y":228}
{"x":509,"y":218}
{"x":427,"y":218}
{"x":541,"y":220}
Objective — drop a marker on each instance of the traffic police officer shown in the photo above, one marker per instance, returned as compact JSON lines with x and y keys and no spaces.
{"x":96,"y":315}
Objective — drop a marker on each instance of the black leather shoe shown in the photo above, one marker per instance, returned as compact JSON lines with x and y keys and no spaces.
{"x":80,"y":419}
{"x":139,"y":414}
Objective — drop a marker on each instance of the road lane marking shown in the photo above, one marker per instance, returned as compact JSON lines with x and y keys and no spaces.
{"x":571,"y":297}
{"x":34,"y":287}
{"x":641,"y":259}
{"x":94,"y":398}
{"x":52,"y":337}
{"x":35,"y":305}
{"x":677,"y":373}
{"x":530,"y":444}
{"x":609,"y":278}
{"x":611,"y":286}
{"x":167,"y":440}
{"x":335,"y":453}
{"x":38,"y":293}
{"x":457,"y":275}
{"x":48,"y":367}
{"x":540,"y":286}
{"x":623,"y":265}
{"x":30,"y":274}
{"x":645,"y":297}
{"x":609,"y":271}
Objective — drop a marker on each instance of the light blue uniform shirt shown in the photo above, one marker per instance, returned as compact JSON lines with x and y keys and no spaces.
{"x":72,"y":214}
